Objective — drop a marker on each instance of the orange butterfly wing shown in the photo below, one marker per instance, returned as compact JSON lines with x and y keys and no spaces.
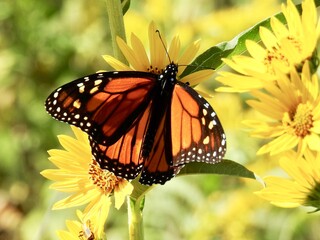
{"x":158,"y":166}
{"x":123,"y":158}
{"x":190,"y":131}
{"x":104,"y":104}
{"x":196,"y":132}
{"x":141,"y":122}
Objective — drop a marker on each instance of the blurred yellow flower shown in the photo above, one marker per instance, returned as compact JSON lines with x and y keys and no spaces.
{"x":294,"y":107}
{"x":302,"y":189}
{"x":286,"y":46}
{"x":159,"y":58}
{"x":85,"y":229}
{"x":82,"y":177}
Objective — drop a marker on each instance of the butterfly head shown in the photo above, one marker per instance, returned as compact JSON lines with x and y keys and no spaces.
{"x":169,"y":74}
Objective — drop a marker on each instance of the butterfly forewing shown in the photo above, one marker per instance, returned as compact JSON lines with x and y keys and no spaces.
{"x":196,"y":132}
{"x":104,"y":105}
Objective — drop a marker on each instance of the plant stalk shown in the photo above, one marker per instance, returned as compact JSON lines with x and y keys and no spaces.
{"x":135,"y":217}
{"x":115,"y":16}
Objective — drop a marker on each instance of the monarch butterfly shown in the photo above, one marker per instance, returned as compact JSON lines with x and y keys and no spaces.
{"x":140,"y":122}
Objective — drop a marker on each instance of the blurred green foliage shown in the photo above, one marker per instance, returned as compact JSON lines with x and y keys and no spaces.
{"x":44,"y":44}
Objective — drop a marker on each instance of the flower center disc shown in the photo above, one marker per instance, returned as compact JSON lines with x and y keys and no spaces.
{"x":103,"y":179}
{"x":300,"y":121}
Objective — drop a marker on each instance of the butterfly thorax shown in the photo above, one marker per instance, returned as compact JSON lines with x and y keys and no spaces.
{"x":168,"y":78}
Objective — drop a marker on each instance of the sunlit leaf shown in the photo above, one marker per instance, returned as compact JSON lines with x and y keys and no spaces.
{"x":125,"y":6}
{"x":225,"y":167}
{"x":139,"y":189}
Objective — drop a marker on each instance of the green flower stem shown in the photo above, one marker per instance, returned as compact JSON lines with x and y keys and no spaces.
{"x":115,"y":16}
{"x":135,"y":217}
{"x":135,"y":204}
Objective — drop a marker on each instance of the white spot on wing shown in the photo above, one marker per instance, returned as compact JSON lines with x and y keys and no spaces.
{"x":97,"y":82}
{"x":81,"y":89}
{"x":205,"y":112}
{"x":56,"y":94}
{"x":206,"y":140}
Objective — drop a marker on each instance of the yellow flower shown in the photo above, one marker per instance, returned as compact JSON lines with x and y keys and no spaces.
{"x":302,"y":189}
{"x":85,"y":229}
{"x":83,"y":178}
{"x":159,"y":59}
{"x":294,"y":107}
{"x":286,"y":47}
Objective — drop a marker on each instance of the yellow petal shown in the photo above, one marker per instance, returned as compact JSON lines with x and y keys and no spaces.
{"x":195,"y":78}
{"x":116,"y":64}
{"x":174,"y":48}
{"x":71,"y":185}
{"x":74,"y":227}
{"x":125,"y":188}
{"x":279,"y":30}
{"x":280,"y":144}
{"x":138,"y":47}
{"x":239,"y":82}
{"x":268,"y":38}
{"x":293,"y":18}
{"x":255,"y":50}
{"x":157,"y":51}
{"x":313,"y":141}
{"x":130,"y":55}
{"x":70,"y":145}
{"x":80,"y":135}
{"x":188,"y":55}
{"x":76,"y":199}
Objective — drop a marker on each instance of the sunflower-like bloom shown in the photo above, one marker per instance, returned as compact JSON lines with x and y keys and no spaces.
{"x":159,"y":58}
{"x":286,"y":47}
{"x":304,"y":187}
{"x":84,"y":229}
{"x":294,"y":109}
{"x":81,"y":176}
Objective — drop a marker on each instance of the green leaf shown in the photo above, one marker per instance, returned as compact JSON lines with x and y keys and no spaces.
{"x":116,"y":24}
{"x":225,"y":167}
{"x":125,"y":4}
{"x":211,"y":58}
{"x":139,"y":190}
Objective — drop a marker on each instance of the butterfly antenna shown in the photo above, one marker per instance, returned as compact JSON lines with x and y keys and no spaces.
{"x":187,"y":65}
{"x":164,"y":46}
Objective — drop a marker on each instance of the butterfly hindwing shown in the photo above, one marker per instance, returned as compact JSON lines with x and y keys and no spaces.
{"x":104,"y":104}
{"x":158,"y":167}
{"x":197,"y":134}
{"x":123,"y":158}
